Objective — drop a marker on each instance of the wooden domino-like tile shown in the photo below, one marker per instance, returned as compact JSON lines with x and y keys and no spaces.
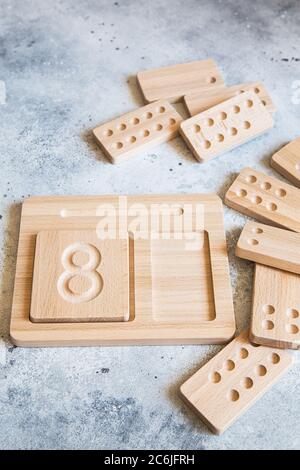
{"x":138,"y":130}
{"x":265,"y":198}
{"x":275,"y":308}
{"x":287,"y":162}
{"x":197,"y":103}
{"x":233,"y":380}
{"x":175,"y":81}
{"x":226,"y":126}
{"x":271,"y":246}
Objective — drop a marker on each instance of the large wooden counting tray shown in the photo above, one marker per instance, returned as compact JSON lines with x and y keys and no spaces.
{"x":73,"y":288}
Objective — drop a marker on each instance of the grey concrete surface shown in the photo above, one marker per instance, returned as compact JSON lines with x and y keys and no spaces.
{"x":66,"y":67}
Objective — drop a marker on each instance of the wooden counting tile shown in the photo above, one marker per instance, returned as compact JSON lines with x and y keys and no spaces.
{"x":197,"y":103}
{"x":265,"y":198}
{"x":78,"y":277}
{"x":287,"y":162}
{"x":270,"y":246}
{"x":138,"y":130}
{"x":173,"y":82}
{"x":233,"y":380}
{"x":275,"y":308}
{"x":226,"y":126}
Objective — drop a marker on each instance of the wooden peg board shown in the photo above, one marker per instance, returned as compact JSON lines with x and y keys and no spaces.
{"x":226,"y":126}
{"x":265,"y":198}
{"x":287,"y":162}
{"x":178,"y":278}
{"x":232,"y":381}
{"x":197,"y":103}
{"x":275,"y":309}
{"x":138,"y":130}
{"x":173,"y":82}
{"x":270,"y":246}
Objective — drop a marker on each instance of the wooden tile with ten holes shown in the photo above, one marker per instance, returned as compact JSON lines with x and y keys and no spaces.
{"x":265,"y":198}
{"x":197,"y":103}
{"x":287,"y":162}
{"x":275,"y":308}
{"x":271,"y":246}
{"x":78,"y":277}
{"x":232,"y":381}
{"x":226,"y":126}
{"x":177,"y":270}
{"x":175,"y":81}
{"x":138,"y":130}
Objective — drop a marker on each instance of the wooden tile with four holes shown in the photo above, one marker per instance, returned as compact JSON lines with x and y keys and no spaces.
{"x":138,"y":130}
{"x":78,"y":277}
{"x":197,"y":103}
{"x":225,"y":126}
{"x":233,"y":380}
{"x":175,"y":81}
{"x":287,"y":162}
{"x":271,"y":246}
{"x":265,"y":198}
{"x":275,"y":318}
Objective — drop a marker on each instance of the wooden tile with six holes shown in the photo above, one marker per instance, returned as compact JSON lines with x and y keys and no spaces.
{"x":175,"y":81}
{"x":287,"y":162}
{"x":226,"y":126}
{"x":71,"y":283}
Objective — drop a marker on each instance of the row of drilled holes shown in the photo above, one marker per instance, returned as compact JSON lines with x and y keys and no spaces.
{"x":292,"y":316}
{"x":246,"y":382}
{"x":233,"y":131}
{"x":256,"y":90}
{"x":265,"y":185}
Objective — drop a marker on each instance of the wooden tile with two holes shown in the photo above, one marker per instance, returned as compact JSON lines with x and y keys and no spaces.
{"x":271,"y":246}
{"x":287,"y":162}
{"x":176,"y":269}
{"x":233,"y":380}
{"x":275,"y":318}
{"x":138,"y":130}
{"x":175,"y":81}
{"x":265,"y":198}
{"x":197,"y":103}
{"x":226,"y":126}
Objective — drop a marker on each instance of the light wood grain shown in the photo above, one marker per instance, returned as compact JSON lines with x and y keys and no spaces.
{"x":233,"y":380}
{"x":175,"y":81}
{"x":275,"y":308}
{"x":270,"y":246}
{"x":151,"y":269}
{"x":197,"y":103}
{"x":226,"y":126}
{"x":265,"y":198}
{"x":287,"y":162}
{"x":78,"y":277}
{"x":138,"y":130}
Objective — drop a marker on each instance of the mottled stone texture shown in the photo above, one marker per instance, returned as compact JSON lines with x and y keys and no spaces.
{"x":69,"y":66}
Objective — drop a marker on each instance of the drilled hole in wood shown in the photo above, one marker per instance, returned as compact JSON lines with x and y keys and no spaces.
{"x":292,"y":329}
{"x":122,"y":126}
{"x":220,"y":137}
{"x":146,"y":133}
{"x":267,"y":325}
{"x":223,"y":116}
{"x":132,"y":139}
{"x":212,"y":80}
{"x":197,"y":128}
{"x":236,"y":109}
{"x":229,"y":364}
{"x":159,"y":127}
{"x":149,"y":115}
{"x":274,"y":358}
{"x":172,"y":122}
{"x":244,"y":353}
{"x":233,"y":395}
{"x":206,"y":144}
{"x":233,"y":131}
{"x":257,"y":230}
{"x":260,"y":370}
{"x":280,"y":192}
{"x":271,"y":206}
{"x":247,"y":382}
{"x":108,"y":132}
{"x":252,"y":241}
{"x":249,"y":103}
{"x":247,"y":124}
{"x":268,"y":309}
{"x":264,"y":102}
{"x":292,"y":313}
{"x":117,"y":145}
{"x":256,"y":90}
{"x":161,"y":109}
{"x":210,"y":122}
{"x":135,"y":121}
{"x":241,"y":192}
{"x":256,"y":200}
{"x":215,"y":377}
{"x":251,"y":179}
{"x":266,"y":185}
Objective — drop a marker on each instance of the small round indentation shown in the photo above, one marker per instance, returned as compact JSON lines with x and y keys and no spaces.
{"x":118,"y":145}
{"x":271,"y":206}
{"x":247,"y":124}
{"x":247,"y":382}
{"x":215,"y":377}
{"x":146,"y":133}
{"x":241,"y":192}
{"x":267,"y":325}
{"x":220,"y":137}
{"x":264,"y":102}
{"x":197,"y":128}
{"x":280,"y":192}
{"x":233,"y":131}
{"x":108,"y":132}
{"x":161,"y":109}
{"x":244,"y":353}
{"x":256,"y":200}
{"x":212,"y":80}
{"x":274,"y":358}
{"x":292,"y":329}
{"x":122,"y":126}
{"x":229,"y":364}
{"x":257,"y":230}
{"x":260,"y":370}
{"x":158,"y":127}
{"x":249,"y":103}
{"x":135,"y":121}
{"x":233,"y":395}
{"x":132,"y":139}
{"x":252,"y":241}
{"x":292,"y":313}
{"x":210,"y":122}
{"x":266,"y":185}
{"x":256,"y":90}
{"x":268,"y":309}
{"x":172,"y":122}
{"x":251,"y":179}
{"x":223,"y":116}
{"x":236,"y":109}
{"x":149,"y":115}
{"x":206,"y":144}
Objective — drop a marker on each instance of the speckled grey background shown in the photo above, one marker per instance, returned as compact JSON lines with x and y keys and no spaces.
{"x":67,"y":67}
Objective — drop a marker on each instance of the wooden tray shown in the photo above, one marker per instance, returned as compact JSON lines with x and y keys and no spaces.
{"x":178,"y":291}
